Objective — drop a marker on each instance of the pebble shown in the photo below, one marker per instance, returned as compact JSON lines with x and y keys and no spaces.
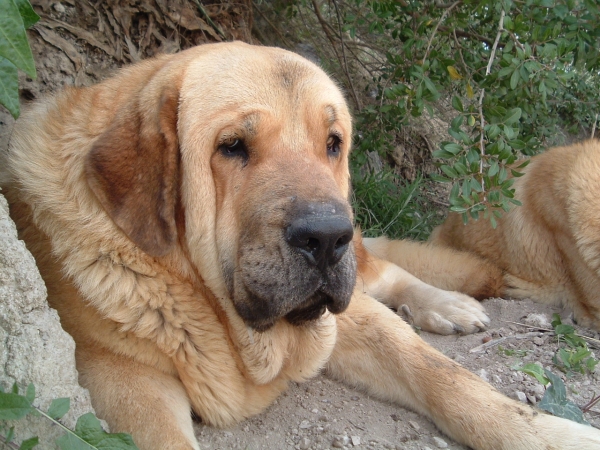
{"x":521,"y":396}
{"x":315,"y":411}
{"x":355,"y":440}
{"x":304,"y":444}
{"x":440,"y":443}
{"x":340,"y":441}
{"x":304,"y":424}
{"x":483,"y":374}
{"x":538,"y":390}
{"x":415,"y":425}
{"x":538,"y":341}
{"x":458,"y":358}
{"x":537,"y":320}
{"x":59,"y":8}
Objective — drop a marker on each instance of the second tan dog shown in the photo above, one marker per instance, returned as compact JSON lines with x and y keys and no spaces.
{"x":548,"y":249}
{"x":190,"y":217}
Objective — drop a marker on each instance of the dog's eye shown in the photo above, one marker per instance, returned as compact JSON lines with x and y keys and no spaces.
{"x":333,"y":145}
{"x":234,"y":148}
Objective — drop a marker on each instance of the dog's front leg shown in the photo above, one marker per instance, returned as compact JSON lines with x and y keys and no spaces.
{"x":381,"y":354}
{"x":431,"y":308}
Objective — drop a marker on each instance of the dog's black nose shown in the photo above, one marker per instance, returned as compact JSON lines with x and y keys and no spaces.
{"x":321,"y":234}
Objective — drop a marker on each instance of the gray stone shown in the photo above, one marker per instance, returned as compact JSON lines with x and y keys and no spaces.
{"x":440,"y":443}
{"x":304,"y":444}
{"x":521,"y":396}
{"x":33,"y":346}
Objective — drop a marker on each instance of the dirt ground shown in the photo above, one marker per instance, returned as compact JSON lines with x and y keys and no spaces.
{"x":322,"y":413}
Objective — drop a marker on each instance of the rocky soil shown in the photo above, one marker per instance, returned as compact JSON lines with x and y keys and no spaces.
{"x":323,"y":414}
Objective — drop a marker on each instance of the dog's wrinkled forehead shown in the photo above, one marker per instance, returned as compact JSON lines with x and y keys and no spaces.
{"x":242,"y":80}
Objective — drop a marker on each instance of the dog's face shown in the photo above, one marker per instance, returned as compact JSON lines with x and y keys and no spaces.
{"x":261,"y":138}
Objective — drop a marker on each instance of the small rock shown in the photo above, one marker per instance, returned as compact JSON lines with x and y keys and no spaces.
{"x":304,"y":443}
{"x":355,"y":440}
{"x":531,"y":399}
{"x":415,"y":425}
{"x":304,"y":424}
{"x":355,"y":398}
{"x":521,"y":396}
{"x":440,"y":443}
{"x":483,"y":374}
{"x":486,"y":339}
{"x":395,"y":417}
{"x":538,"y":341}
{"x":315,"y":411}
{"x":537,"y":320}
{"x":59,"y":8}
{"x":538,"y":389}
{"x":340,"y":441}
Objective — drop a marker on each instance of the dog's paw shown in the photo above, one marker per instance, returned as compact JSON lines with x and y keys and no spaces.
{"x":445,"y":312}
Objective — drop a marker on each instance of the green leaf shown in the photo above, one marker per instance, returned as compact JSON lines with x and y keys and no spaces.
{"x":28,"y":15}
{"x":13,"y":39}
{"x":59,"y":407}
{"x":456,"y":123}
{"x":536,"y":371}
{"x":438,"y":178}
{"x":13,"y":406}
{"x":89,"y":427}
{"x":430,"y":86}
{"x":449,"y":171}
{"x":89,"y":435}
{"x":564,"y":329}
{"x":512,"y":116}
{"x":29,"y":443}
{"x":71,"y":441}
{"x":493,"y":170}
{"x":30,"y":393}
{"x":457,"y":104}
{"x":452,"y":148}
{"x":555,"y":401}
{"x":514,"y":79}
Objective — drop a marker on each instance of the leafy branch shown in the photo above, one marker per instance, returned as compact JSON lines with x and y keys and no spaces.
{"x":88,"y":433}
{"x":16,"y":17}
{"x":514,"y":72}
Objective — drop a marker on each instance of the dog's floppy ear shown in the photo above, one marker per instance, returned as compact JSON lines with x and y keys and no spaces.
{"x":133,"y":169}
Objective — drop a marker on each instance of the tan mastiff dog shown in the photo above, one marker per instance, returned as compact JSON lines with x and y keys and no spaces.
{"x":190,"y":217}
{"x":548,"y":249}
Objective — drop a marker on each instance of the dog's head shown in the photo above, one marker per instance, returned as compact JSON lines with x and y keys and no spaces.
{"x":240,"y":154}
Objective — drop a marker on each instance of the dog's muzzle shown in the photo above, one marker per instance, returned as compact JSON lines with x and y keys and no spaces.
{"x":311,"y":268}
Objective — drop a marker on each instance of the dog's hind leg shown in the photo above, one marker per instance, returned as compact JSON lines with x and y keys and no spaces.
{"x":440,"y":266}
{"x":381,"y":354}
{"x":138,"y":399}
